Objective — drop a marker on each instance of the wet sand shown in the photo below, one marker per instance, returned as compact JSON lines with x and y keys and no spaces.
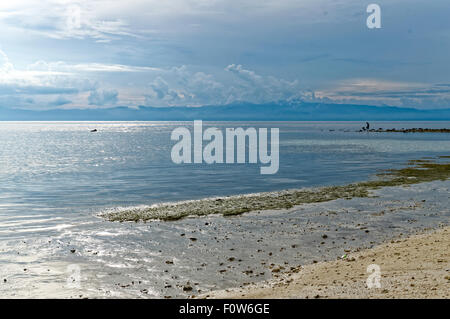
{"x":415,"y":267}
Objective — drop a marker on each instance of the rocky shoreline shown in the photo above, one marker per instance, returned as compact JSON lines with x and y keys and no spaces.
{"x":418,"y":171}
{"x":408,"y":130}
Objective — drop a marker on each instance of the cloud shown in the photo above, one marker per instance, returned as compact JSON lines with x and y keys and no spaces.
{"x":253,"y":87}
{"x":110,"y":20}
{"x":160,"y":89}
{"x":35,"y":90}
{"x":36,"y":85}
{"x":161,"y":93}
{"x":100,"y":67}
{"x":35,"y":78}
{"x":66,"y":19}
{"x":103,"y":97}
{"x":383,"y":92}
{"x":59,"y":101}
{"x":67,"y":68}
{"x":5,"y":64}
{"x":80,"y":85}
{"x":181,"y":86}
{"x":75,"y":85}
{"x":20,"y":87}
{"x":12,"y":101}
{"x":166,"y":87}
{"x":249,"y":50}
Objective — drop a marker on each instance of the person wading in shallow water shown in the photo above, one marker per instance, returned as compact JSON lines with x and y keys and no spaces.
{"x":366,"y":128}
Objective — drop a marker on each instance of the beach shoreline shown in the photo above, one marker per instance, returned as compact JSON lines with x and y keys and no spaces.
{"x":250,"y":253}
{"x":414,"y":267}
{"x":415,"y":172}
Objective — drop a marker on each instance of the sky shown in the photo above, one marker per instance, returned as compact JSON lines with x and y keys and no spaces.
{"x":104,"y":53}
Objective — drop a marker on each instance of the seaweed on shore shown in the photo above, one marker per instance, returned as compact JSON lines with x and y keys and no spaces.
{"x":418,"y":171}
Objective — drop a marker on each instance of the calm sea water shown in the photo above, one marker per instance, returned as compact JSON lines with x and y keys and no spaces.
{"x":60,"y":170}
{"x":55,"y":177}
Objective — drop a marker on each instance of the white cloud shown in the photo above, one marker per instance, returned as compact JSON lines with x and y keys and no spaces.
{"x":5,"y":64}
{"x":37,"y":85}
{"x":103,"y":97}
{"x":61,"y":66}
{"x":385,"y":92}
{"x":278,"y":38}
{"x":106,"y":20}
{"x":39,"y":77}
{"x":259,"y":89}
{"x":60,"y":19}
{"x":180,"y":86}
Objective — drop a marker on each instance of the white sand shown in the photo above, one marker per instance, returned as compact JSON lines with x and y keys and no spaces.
{"x":416,"y":267}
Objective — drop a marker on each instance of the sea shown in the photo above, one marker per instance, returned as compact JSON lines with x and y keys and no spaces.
{"x":56,"y":178}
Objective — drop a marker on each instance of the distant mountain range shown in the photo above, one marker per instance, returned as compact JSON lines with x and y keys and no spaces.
{"x":277,"y":111}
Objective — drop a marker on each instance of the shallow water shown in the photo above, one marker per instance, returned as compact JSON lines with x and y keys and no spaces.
{"x":56,"y":177}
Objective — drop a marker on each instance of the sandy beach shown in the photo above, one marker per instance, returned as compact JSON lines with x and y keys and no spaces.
{"x":415,"y":267}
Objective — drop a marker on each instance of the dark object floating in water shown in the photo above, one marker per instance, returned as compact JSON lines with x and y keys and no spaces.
{"x":409,"y":130}
{"x":94,"y":130}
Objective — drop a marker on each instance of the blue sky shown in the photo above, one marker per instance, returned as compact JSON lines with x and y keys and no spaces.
{"x":104,"y":53}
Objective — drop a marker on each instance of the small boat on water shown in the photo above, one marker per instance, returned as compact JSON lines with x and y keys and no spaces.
{"x":94,"y":130}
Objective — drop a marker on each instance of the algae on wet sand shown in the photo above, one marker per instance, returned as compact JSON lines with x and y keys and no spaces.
{"x":418,"y":171}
